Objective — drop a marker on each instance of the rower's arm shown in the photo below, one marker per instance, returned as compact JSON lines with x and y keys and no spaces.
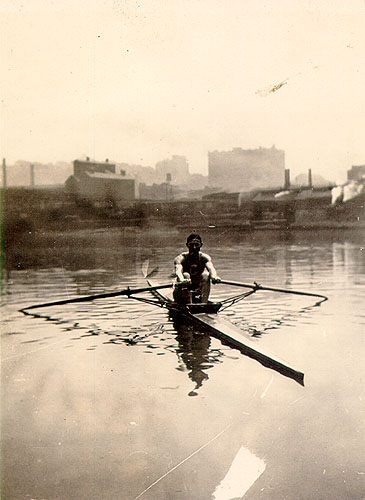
{"x":212,"y":272}
{"x":178,"y":268}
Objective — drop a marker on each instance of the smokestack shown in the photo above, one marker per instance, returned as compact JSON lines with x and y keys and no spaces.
{"x":287,"y":179}
{"x":4,"y":174}
{"x":32,"y":175}
{"x":310,"y":183}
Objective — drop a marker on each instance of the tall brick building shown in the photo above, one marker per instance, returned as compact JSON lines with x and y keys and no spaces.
{"x":246,"y":169}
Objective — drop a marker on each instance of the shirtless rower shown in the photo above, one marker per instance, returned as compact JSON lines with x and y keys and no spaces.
{"x":193,"y":270}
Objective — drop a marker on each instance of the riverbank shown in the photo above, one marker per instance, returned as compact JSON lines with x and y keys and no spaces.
{"x":46,"y":210}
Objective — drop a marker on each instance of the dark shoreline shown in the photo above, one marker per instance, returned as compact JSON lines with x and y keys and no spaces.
{"x":37,"y":249}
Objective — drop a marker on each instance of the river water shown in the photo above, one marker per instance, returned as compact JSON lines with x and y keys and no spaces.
{"x":108,"y":400}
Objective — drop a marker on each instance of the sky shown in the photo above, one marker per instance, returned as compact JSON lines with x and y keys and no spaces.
{"x":140,"y":81}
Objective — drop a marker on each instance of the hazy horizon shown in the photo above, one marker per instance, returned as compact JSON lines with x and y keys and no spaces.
{"x":138,"y":82}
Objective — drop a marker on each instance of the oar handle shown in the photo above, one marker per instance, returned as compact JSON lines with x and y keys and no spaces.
{"x":256,"y":286}
{"x":128,"y":291}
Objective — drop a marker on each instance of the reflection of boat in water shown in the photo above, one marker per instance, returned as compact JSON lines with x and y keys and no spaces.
{"x":204,"y":316}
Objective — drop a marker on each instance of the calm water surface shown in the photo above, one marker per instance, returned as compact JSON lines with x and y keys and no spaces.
{"x":107,"y":400}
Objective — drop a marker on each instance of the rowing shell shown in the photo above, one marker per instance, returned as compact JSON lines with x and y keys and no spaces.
{"x":205,"y":316}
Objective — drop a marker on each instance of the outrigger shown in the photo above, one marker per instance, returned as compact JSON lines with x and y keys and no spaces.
{"x":205,"y":316}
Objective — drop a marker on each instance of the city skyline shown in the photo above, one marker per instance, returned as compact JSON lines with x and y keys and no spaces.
{"x":25,"y":173}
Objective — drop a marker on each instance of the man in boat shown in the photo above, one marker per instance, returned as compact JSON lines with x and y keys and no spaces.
{"x":194,"y":270}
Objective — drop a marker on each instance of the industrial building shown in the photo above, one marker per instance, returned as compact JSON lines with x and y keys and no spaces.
{"x":99,"y":181}
{"x":357,"y":173}
{"x":246,"y":169}
{"x":174,"y":170}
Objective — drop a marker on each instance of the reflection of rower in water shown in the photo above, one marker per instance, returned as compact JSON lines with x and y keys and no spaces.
{"x":193,"y":270}
{"x":193,"y":350}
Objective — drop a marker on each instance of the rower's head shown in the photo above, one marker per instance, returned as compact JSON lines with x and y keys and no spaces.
{"x":194,"y":242}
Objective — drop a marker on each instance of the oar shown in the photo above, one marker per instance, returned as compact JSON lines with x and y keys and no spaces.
{"x":128,"y":292}
{"x":148,"y":274}
{"x":256,"y":286}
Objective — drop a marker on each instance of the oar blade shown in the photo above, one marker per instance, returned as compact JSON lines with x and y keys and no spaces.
{"x":144,"y":267}
{"x":146,"y":273}
{"x":151,"y":273}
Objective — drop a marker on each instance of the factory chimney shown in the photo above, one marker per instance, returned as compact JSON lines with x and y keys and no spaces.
{"x":287,"y":179}
{"x":32,"y":175}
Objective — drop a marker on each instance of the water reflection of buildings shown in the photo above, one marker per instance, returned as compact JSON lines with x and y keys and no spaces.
{"x":348,"y":260}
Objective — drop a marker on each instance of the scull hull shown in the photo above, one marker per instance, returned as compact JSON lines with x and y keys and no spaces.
{"x":228,"y":334}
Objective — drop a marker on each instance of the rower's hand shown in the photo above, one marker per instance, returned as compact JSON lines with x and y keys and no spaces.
{"x":183,"y":282}
{"x":216,"y":280}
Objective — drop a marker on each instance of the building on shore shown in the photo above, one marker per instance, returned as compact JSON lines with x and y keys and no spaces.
{"x":174,"y":170}
{"x":99,"y":181}
{"x":141,"y":174}
{"x":356,"y":173}
{"x":169,"y":179}
{"x":246,"y":169}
